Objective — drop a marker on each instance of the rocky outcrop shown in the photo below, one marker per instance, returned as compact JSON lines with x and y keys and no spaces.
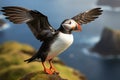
{"x":13,"y":67}
{"x":111,"y":3}
{"x":42,"y":76}
{"x":109,"y":43}
{"x":2,"y":22}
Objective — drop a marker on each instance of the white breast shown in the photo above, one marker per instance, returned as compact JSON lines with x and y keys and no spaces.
{"x":62,"y":42}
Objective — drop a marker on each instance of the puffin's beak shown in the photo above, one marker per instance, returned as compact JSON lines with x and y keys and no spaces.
{"x":78,"y":28}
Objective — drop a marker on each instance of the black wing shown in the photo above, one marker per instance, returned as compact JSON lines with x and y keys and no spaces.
{"x":88,"y":16}
{"x":37,"y":22}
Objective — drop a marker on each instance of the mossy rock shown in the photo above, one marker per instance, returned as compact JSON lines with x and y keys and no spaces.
{"x":41,"y":76}
{"x":13,"y":47}
{"x":13,"y":67}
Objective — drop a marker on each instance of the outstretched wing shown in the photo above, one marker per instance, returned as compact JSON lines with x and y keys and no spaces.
{"x":37,"y":22}
{"x":88,"y":16}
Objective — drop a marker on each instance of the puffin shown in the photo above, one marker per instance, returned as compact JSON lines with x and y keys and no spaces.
{"x":54,"y":41}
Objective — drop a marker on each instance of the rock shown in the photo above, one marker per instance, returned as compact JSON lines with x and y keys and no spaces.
{"x":12,"y":65}
{"x":109,"y":43}
{"x":41,"y":76}
{"x":3,"y":25}
{"x":2,"y":22}
{"x":111,"y":3}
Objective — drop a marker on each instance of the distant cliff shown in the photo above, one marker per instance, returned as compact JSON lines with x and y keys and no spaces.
{"x":13,"y":67}
{"x":111,"y":3}
{"x":109,"y":43}
{"x":2,"y":22}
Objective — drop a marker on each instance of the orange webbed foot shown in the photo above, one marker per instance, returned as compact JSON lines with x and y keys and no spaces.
{"x":48,"y":71}
{"x":52,"y":68}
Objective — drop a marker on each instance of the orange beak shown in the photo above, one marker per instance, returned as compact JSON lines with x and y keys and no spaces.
{"x":78,"y":28}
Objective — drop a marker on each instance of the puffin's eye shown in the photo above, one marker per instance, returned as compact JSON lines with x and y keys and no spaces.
{"x":70,"y":22}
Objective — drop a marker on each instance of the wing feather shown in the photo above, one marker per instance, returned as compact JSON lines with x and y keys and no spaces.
{"x":12,"y":12}
{"x":88,"y":16}
{"x":37,"y":22}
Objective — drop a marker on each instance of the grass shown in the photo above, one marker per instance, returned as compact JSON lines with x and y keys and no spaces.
{"x":13,"y":66}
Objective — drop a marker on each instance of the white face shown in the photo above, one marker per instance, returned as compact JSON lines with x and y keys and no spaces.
{"x":69,"y":24}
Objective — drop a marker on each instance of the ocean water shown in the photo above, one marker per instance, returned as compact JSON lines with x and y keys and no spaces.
{"x":94,"y":68}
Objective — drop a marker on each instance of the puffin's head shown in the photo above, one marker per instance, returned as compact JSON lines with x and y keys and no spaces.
{"x":71,"y":25}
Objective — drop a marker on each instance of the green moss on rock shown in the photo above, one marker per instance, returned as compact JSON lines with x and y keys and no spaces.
{"x":13,"y":47}
{"x":41,"y":76}
{"x":12,"y":65}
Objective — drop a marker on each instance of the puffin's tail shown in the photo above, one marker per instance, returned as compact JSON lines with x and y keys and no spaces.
{"x":33,"y":58}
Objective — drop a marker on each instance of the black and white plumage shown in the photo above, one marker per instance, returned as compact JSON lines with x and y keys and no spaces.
{"x":54,"y":41}
{"x":88,"y":16}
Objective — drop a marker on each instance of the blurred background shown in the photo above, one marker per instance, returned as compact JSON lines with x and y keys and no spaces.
{"x":78,"y":55}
